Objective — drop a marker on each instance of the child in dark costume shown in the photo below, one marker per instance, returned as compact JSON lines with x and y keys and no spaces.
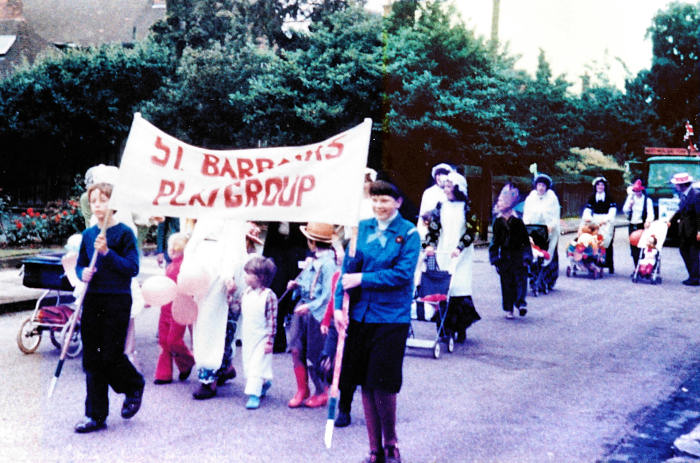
{"x":510,"y":251}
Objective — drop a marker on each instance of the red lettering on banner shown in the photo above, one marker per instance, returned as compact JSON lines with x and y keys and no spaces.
{"x":166,"y":189}
{"x":180,"y":189}
{"x":307,"y":184}
{"x":228,"y":169}
{"x":292,"y":191}
{"x":308,"y":155}
{"x":231,"y":200}
{"x":283,"y":161}
{"x":197,"y":198}
{"x":166,"y":153}
{"x":269,"y":183}
{"x":178,"y":159}
{"x":209,"y":166}
{"x":252,"y":188}
{"x":264,"y":164}
{"x":338,"y":146}
{"x":245,"y":168}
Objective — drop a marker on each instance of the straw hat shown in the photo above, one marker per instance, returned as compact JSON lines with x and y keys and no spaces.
{"x":683,"y":177}
{"x":316,"y":231}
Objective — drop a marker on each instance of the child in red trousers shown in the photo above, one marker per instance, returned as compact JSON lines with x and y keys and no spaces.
{"x":171,"y":333}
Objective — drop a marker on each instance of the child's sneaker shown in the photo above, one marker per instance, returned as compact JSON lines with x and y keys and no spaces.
{"x":265,"y":387}
{"x":253,"y":402}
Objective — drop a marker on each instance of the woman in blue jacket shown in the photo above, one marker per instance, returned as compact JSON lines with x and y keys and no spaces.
{"x":379,"y":279}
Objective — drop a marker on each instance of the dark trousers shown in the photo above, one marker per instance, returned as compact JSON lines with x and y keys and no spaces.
{"x":690,"y":252}
{"x":634,"y":250}
{"x":513,"y":285}
{"x":104,"y":322}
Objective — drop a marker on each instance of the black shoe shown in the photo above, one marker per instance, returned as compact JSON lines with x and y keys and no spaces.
{"x":229,"y":373}
{"x":205,"y":391}
{"x":184,"y":374}
{"x":375,"y":456}
{"x":690,"y":282}
{"x":392,"y":455}
{"x":89,"y":425}
{"x":162,"y":381}
{"x":132,"y":403}
{"x":461,"y":337}
{"x":342,"y":420}
{"x":522,"y":311}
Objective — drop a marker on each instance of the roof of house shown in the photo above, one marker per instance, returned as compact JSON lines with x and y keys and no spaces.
{"x":27,"y":45}
{"x":92,"y":22}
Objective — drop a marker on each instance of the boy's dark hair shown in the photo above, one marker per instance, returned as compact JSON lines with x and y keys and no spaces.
{"x":382,"y":188}
{"x":323,"y":244}
{"x":263,"y":268}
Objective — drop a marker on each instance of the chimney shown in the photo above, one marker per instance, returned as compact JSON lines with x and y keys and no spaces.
{"x":11,"y":10}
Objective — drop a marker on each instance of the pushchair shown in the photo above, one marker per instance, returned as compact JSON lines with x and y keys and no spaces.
{"x":430,"y":305}
{"x":648,"y":266}
{"x":539,"y":275}
{"x":586,"y":254}
{"x":55,"y":308}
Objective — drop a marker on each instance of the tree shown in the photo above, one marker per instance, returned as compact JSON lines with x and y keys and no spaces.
{"x":73,"y":110}
{"x":675,"y":71}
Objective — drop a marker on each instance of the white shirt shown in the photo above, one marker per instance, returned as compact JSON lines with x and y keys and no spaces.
{"x":635,"y":204}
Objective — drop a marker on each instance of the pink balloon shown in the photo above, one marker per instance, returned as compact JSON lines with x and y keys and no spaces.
{"x":158,"y":290}
{"x":184,"y":309}
{"x":193,"y":280}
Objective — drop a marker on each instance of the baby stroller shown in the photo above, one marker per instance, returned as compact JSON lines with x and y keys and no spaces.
{"x":430,"y":305}
{"x":648,"y":266}
{"x":586,"y":254}
{"x":541,"y":282}
{"x":54,"y":310}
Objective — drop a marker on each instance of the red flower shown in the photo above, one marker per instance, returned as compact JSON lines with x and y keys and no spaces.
{"x":30,"y":211}
{"x":43,"y":216}
{"x":57,"y":218}
{"x":33,"y":223}
{"x":65,"y":213}
{"x":24,"y":214}
{"x":18,"y":224}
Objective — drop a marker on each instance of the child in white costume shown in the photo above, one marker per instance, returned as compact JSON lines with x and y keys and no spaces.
{"x":259,"y":316}
{"x":216,"y":247}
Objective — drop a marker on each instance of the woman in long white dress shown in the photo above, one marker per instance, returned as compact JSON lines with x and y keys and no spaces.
{"x":450,"y":238}
{"x":542,"y":208}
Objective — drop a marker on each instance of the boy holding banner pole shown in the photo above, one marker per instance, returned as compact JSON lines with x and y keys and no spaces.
{"x":379,"y":280}
{"x":106,"y":311}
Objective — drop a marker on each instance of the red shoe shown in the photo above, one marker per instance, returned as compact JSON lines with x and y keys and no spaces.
{"x":319,"y":400}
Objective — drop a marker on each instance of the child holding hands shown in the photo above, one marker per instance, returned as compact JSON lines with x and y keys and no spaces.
{"x":171,"y":333}
{"x":259,"y":316}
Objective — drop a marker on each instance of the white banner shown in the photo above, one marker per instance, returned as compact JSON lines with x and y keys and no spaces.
{"x":160,"y":175}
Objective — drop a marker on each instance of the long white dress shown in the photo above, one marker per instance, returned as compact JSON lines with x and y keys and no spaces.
{"x":452,"y":227}
{"x":257,"y":365}
{"x":218,"y":246}
{"x":544,"y":210}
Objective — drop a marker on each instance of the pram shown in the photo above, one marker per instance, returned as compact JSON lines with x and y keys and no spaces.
{"x":430,"y":305}
{"x":645,"y":271}
{"x":541,"y":277}
{"x":586,"y":256}
{"x":55,"y":308}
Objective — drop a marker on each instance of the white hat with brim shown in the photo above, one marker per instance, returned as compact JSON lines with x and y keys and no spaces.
{"x":683,"y":177}
{"x":441,"y":166}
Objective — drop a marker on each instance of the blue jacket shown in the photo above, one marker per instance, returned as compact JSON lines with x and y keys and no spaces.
{"x":387,"y":261}
{"x":116,"y":268}
{"x":317,"y":277}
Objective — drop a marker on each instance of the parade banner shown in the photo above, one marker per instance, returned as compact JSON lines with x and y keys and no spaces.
{"x":160,"y":175}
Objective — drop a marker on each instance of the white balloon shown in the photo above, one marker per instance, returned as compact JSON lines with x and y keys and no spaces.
{"x":158,"y":290}
{"x":193,"y":279}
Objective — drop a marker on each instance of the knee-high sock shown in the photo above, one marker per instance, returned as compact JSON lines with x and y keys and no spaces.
{"x":386,"y":408}
{"x":374,"y":425}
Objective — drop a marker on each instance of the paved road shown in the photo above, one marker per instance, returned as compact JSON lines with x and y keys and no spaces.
{"x":569,"y":382}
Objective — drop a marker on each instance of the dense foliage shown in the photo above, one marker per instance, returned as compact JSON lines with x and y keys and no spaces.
{"x":243,"y":73}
